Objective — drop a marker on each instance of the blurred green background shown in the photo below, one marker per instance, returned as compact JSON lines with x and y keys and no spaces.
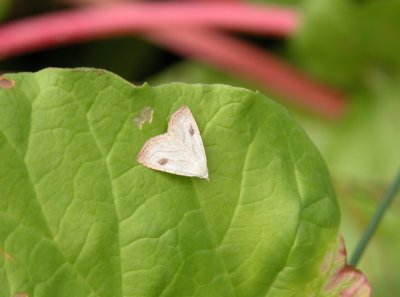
{"x":352,"y":46}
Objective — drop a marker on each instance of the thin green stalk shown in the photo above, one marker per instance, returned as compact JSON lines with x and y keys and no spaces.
{"x":390,"y":194}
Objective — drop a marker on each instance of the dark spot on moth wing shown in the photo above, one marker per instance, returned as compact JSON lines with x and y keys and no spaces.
{"x":191,"y":130}
{"x":162,"y":161}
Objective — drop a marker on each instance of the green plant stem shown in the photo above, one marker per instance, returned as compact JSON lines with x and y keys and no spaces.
{"x":390,"y":194}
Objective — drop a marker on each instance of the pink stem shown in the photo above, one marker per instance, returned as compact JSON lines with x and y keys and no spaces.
{"x":126,"y":18}
{"x":254,"y":65}
{"x":178,"y":27}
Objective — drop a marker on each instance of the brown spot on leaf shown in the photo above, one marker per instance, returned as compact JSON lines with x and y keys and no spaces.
{"x":162,"y":161}
{"x":20,"y":294}
{"x":6,"y":256}
{"x":6,"y":83}
{"x":100,"y":71}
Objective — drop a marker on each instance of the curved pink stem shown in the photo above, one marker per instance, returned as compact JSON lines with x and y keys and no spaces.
{"x":126,"y":18}
{"x":254,"y":65}
{"x":184,"y":28}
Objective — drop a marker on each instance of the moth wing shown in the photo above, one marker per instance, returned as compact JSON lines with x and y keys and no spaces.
{"x":166,"y":153}
{"x":183,"y":127}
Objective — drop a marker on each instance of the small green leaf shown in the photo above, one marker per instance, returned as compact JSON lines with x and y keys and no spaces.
{"x":80,"y":217}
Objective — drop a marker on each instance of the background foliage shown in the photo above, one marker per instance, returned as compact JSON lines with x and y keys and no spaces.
{"x":351,"y":46}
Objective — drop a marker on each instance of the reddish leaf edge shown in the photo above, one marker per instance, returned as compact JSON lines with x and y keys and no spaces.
{"x":343,"y":280}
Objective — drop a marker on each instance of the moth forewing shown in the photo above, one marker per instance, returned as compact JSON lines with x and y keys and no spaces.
{"x":180,"y":151}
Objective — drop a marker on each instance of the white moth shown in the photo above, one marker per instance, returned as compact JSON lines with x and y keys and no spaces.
{"x":180,"y":150}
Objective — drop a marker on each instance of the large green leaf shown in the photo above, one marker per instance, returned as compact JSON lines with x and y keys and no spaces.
{"x":361,"y":152}
{"x":80,"y":217}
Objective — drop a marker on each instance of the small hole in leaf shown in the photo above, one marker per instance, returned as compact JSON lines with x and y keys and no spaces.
{"x":145,"y":116}
{"x":6,"y":83}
